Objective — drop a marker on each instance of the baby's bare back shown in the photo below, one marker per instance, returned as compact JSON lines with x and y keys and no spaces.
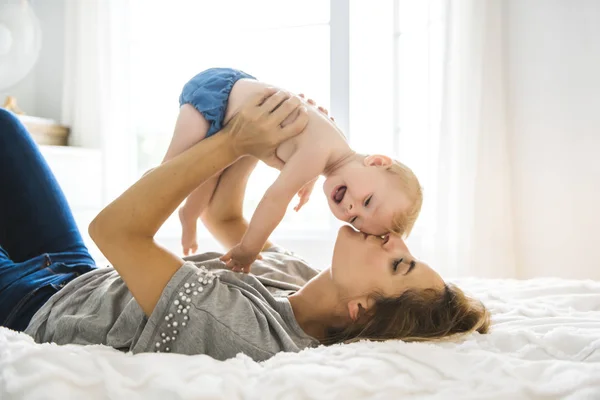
{"x":320,"y":133}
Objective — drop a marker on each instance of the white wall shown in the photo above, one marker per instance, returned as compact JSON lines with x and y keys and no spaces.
{"x":49,"y":69}
{"x":40,"y":93}
{"x":24,"y":92}
{"x":554,"y":75}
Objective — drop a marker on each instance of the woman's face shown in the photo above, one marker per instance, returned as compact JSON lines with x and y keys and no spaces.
{"x":364,"y":264}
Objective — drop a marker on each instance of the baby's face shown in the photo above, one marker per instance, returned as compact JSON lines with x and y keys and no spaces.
{"x":367,"y":197}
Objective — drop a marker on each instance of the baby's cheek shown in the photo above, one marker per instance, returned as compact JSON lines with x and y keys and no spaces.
{"x":381,"y":224}
{"x":370,"y":229}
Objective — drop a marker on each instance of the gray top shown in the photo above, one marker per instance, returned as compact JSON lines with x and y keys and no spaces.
{"x":204,"y":309}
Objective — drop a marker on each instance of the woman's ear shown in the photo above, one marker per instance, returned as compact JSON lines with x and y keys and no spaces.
{"x":354,"y":308}
{"x":377,"y":160}
{"x":358,"y":307}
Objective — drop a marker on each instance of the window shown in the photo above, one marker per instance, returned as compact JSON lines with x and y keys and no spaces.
{"x":396,"y":87}
{"x":418,"y":52}
{"x":174,"y":41}
{"x":376,"y":66}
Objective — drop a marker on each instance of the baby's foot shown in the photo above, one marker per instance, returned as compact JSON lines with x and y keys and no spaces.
{"x":188,"y":232}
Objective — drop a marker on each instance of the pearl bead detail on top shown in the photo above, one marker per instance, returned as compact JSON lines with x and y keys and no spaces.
{"x":181,"y":306}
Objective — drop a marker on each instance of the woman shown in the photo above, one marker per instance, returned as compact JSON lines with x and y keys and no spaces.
{"x":155,"y":301}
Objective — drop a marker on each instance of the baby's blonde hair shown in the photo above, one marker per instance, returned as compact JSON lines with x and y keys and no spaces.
{"x":403,"y":222}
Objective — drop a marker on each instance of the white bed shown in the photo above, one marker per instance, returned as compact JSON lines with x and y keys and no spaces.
{"x":545,"y":344}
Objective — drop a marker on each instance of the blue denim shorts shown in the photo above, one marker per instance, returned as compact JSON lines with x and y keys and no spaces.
{"x":208,"y":92}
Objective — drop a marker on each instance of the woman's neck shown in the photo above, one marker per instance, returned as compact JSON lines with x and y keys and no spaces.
{"x":317,"y":307}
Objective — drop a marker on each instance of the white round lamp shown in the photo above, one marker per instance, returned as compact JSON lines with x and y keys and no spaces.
{"x":20,"y":41}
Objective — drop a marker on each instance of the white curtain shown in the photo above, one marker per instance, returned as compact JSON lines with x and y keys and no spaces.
{"x":467,"y":208}
{"x":96,"y":98}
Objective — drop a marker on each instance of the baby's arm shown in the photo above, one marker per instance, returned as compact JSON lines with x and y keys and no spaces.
{"x":304,"y":194}
{"x":301,"y":168}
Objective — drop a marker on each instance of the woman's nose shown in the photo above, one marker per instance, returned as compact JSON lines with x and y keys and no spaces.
{"x":395,"y":242}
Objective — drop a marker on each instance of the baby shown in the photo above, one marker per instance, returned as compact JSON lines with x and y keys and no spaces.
{"x":373,"y":193}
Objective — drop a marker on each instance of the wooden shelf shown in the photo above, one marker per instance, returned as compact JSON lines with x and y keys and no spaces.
{"x":45,"y":131}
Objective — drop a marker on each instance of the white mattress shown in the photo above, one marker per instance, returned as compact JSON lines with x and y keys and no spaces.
{"x":545,"y":344}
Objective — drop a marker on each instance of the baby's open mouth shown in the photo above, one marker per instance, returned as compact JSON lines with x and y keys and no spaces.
{"x":338,"y":194}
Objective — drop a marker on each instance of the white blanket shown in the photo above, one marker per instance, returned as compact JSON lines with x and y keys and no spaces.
{"x":545,"y":344}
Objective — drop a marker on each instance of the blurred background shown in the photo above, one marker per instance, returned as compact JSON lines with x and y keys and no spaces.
{"x":494,"y":104}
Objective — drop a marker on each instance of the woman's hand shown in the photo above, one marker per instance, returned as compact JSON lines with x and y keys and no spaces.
{"x":257,"y":128}
{"x":323,"y":110}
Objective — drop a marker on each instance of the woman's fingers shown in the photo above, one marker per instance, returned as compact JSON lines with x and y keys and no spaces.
{"x":281,"y":105}
{"x":257,"y":130}
{"x":309,"y":101}
{"x":259,"y":98}
{"x":274,"y":101}
{"x":297,"y":125}
{"x":286,"y":108}
{"x":320,"y":108}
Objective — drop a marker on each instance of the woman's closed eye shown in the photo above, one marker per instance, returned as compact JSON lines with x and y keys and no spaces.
{"x":367,"y":201}
{"x":396,"y":263}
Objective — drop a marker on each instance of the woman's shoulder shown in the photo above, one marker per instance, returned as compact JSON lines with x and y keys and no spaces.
{"x":207,"y":257}
{"x":278,"y":265}
{"x":286,"y":262}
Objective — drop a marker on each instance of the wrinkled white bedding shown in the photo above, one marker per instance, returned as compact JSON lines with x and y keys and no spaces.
{"x":545,"y":344}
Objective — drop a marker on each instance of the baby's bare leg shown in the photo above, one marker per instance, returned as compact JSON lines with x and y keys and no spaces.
{"x":190,"y":128}
{"x":224,"y":215}
{"x":194,"y":207}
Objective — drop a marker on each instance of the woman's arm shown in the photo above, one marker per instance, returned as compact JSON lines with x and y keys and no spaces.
{"x":124,"y":231}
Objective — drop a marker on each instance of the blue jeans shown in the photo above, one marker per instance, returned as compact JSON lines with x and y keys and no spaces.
{"x":41,"y":248}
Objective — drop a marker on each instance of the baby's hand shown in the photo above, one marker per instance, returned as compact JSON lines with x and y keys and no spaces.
{"x":239,"y":259}
{"x":304,"y":194}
